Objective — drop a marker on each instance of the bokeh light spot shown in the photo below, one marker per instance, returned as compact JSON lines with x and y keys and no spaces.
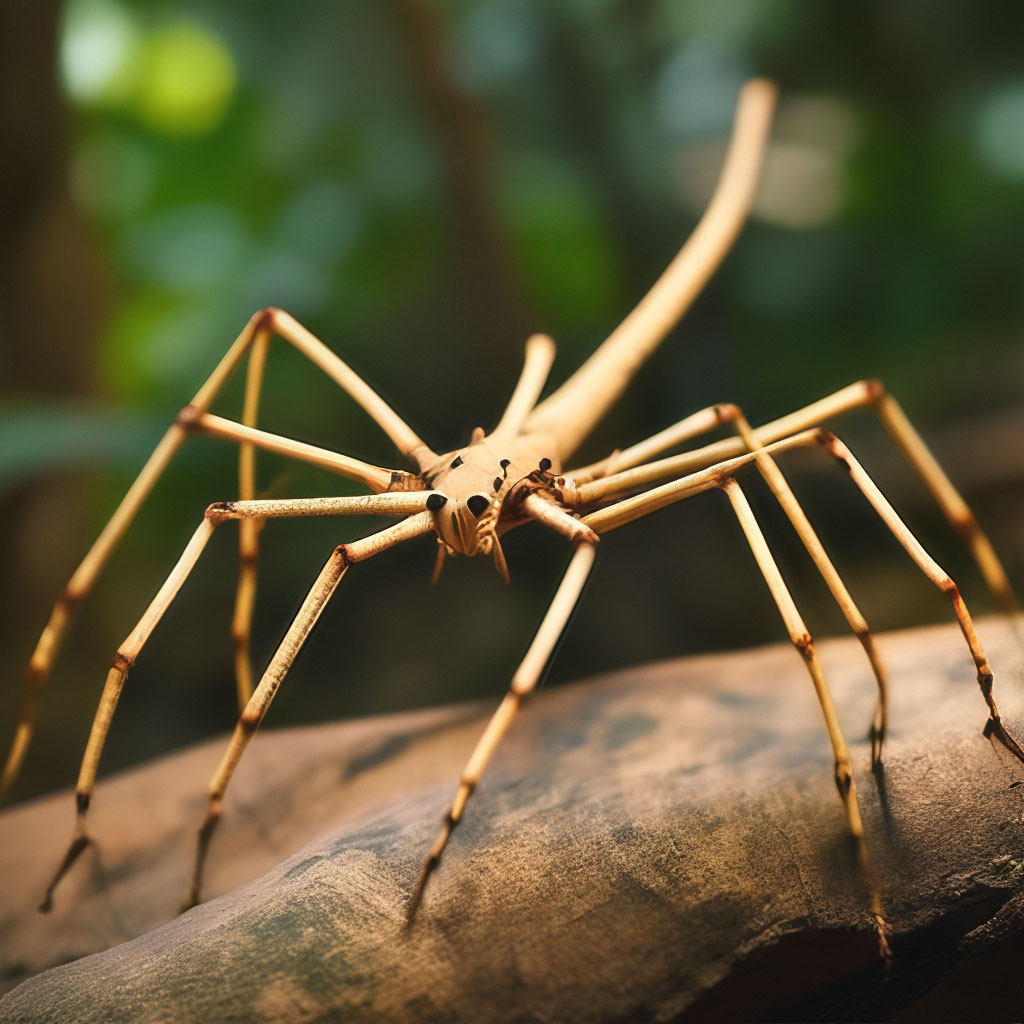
{"x":1000,"y":131}
{"x":187,"y":81}
{"x":98,"y":51}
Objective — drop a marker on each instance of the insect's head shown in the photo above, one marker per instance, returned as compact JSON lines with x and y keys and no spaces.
{"x":469,"y":486}
{"x":478,"y":488}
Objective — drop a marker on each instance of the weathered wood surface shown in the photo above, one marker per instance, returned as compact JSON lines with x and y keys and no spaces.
{"x":661,"y":843}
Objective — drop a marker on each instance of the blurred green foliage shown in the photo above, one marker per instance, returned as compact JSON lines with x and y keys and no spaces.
{"x":422,"y":184}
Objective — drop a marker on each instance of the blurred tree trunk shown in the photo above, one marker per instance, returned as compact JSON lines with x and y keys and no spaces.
{"x":51,"y":285}
{"x":53,"y":293}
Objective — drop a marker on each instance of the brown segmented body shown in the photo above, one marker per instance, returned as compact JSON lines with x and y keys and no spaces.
{"x":462,"y":475}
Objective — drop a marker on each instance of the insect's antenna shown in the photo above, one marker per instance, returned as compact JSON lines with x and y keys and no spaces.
{"x":499,"y":561}
{"x":442,"y":554}
{"x":540,"y":354}
{"x":571,"y":412}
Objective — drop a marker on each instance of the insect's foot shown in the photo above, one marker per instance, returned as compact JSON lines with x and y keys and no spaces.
{"x":78,"y":844}
{"x":884,"y":949}
{"x":411,"y":909}
{"x":994,"y":727}
{"x":876,"y":734}
{"x":206,"y":830}
{"x":413,"y":906}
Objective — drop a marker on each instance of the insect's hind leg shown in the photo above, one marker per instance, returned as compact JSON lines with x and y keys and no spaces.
{"x":934,"y":572}
{"x":870,"y":394}
{"x":628,"y":509}
{"x":801,"y":638}
{"x":84,"y":576}
{"x":773,"y":476}
{"x":873,"y":395}
{"x":722,"y":476}
{"x":248,"y":529}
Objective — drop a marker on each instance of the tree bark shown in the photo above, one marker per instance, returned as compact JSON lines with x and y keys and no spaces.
{"x":661,"y":843}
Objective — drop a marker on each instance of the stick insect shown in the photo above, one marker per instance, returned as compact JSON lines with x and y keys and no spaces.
{"x":468,"y":498}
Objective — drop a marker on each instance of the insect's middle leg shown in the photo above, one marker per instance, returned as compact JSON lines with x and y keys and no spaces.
{"x":801,"y":638}
{"x":702,"y":422}
{"x":723,"y":477}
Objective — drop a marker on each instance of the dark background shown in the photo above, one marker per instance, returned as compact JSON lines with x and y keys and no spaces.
{"x":424,"y":184}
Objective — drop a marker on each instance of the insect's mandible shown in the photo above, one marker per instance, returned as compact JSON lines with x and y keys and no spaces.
{"x":522,"y":472}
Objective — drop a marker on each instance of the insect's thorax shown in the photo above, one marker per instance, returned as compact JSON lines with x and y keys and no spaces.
{"x":476,"y":481}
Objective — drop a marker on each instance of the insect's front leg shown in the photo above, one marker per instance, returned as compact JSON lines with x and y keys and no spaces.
{"x":524,"y":679}
{"x":298,"y":632}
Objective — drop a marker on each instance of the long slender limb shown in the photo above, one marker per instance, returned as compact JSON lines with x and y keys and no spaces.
{"x":523,"y":682}
{"x":376,"y":478}
{"x":802,"y":641}
{"x":629,"y":509}
{"x":248,"y":529}
{"x":869,"y":393}
{"x":644,"y":451}
{"x":261,"y":324}
{"x":949,"y":500}
{"x":722,"y":476}
{"x":81,"y":581}
{"x":571,"y":412}
{"x":246,"y":511}
{"x":935,"y":573}
{"x":540,"y":354}
{"x":386,"y":418}
{"x":779,"y":486}
{"x":330,"y":576}
{"x":714,"y":416}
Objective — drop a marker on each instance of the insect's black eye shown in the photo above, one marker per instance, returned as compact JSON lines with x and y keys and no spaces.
{"x":456,"y":462}
{"x":497,"y":483}
{"x":545,"y":465}
{"x":436,"y":502}
{"x":477,"y":504}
